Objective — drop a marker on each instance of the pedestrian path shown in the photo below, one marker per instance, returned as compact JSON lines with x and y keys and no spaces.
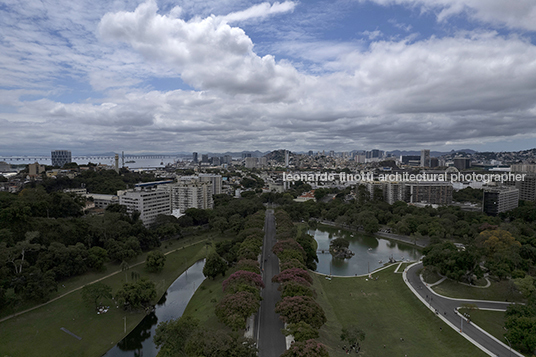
{"x":446,"y":309}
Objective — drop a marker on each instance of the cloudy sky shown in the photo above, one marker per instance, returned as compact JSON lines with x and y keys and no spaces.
{"x":231,"y":75}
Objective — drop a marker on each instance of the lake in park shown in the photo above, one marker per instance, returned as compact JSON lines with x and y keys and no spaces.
{"x":139,"y":342}
{"x":371,"y":252}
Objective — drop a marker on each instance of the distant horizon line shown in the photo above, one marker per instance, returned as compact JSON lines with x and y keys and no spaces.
{"x":111,"y":154}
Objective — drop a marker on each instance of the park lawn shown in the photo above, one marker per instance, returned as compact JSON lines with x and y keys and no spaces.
{"x":497,"y":291}
{"x":204,"y":301}
{"x":387,"y":311}
{"x":490,"y":321}
{"x":37,"y":333}
{"x":112,"y":268}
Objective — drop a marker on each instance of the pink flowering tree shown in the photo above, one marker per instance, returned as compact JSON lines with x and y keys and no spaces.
{"x":309,"y":348}
{"x":242,"y":277}
{"x":295,"y":274}
{"x":234,"y":309}
{"x":249,"y":265}
{"x":282,"y":245}
{"x":294,"y":309}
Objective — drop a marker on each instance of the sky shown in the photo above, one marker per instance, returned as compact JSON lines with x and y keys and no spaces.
{"x":162,"y":76}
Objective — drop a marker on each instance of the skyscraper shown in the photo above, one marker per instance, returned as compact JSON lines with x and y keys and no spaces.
{"x":60,"y":157}
{"x":425,"y":158}
{"x":195,"y":160}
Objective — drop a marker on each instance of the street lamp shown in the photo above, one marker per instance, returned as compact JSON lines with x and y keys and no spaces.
{"x":510,"y":346}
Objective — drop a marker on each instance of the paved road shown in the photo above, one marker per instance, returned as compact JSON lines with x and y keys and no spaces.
{"x":271,"y":341}
{"x":445,"y":309}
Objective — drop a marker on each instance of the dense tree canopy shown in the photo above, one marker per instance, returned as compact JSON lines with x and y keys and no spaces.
{"x":301,"y":308}
{"x":136,"y":295}
{"x":155,"y":261}
{"x":214,"y":266}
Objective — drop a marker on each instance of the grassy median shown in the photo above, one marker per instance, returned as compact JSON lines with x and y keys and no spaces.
{"x":396,"y":323}
{"x":38,"y":332}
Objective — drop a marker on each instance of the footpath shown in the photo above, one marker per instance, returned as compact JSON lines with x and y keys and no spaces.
{"x":447,"y":310}
{"x":92,"y":282}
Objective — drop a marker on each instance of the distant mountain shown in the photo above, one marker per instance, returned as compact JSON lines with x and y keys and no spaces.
{"x":398,"y":153}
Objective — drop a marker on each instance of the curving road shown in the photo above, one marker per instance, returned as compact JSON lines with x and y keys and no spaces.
{"x":270,"y":339}
{"x":445,"y":309}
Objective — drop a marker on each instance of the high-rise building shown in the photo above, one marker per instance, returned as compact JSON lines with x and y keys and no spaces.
{"x":194,"y":158}
{"x":263,"y":161}
{"x":35,"y":169}
{"x":204,"y":158}
{"x":214,"y":180}
{"x":193,"y":194}
{"x":428,"y":192}
{"x":310,"y":153}
{"x":425,"y":158}
{"x":462,"y":163}
{"x":251,"y":162}
{"x":410,"y":160}
{"x":527,"y":186}
{"x":4,"y":166}
{"x":499,"y":199}
{"x":60,"y":157}
{"x":150,"y":202}
{"x":434,"y":162}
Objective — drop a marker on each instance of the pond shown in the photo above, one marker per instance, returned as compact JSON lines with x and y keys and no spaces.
{"x":139,"y":342}
{"x":371,"y":252}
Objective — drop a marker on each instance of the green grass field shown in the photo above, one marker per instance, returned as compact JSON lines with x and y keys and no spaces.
{"x":497,"y":291}
{"x":387,"y":311}
{"x":490,"y":321}
{"x":204,"y":301}
{"x":37,"y":333}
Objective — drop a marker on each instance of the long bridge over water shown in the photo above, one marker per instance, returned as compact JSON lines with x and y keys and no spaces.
{"x":89,"y":158}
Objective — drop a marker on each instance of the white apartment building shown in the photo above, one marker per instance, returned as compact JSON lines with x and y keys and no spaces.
{"x":149,"y":202}
{"x":215,"y":181}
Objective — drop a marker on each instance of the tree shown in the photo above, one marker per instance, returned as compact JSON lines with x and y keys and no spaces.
{"x":220,"y":344}
{"x":234,"y":309}
{"x":309,"y":348}
{"x":249,"y":265}
{"x":136,"y":295}
{"x":308,"y":244}
{"x":525,"y":285}
{"x":497,"y":240}
{"x":339,"y":243}
{"x":242,"y":277}
{"x":292,"y":288}
{"x":96,"y":258}
{"x":301,"y":331}
{"x":94,"y":293}
{"x":38,"y":285}
{"x":219,"y":223}
{"x":522,"y":332}
{"x":214,"y":265}
{"x":155,"y":261}
{"x":352,"y":334}
{"x":297,"y":275}
{"x":171,"y":336}
{"x":301,"y":308}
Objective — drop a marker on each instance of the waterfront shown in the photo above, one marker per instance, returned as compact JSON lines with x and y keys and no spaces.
{"x":139,"y":342}
{"x":371,"y":252}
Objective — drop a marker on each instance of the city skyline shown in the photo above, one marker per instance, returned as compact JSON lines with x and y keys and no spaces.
{"x":219,"y":76}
